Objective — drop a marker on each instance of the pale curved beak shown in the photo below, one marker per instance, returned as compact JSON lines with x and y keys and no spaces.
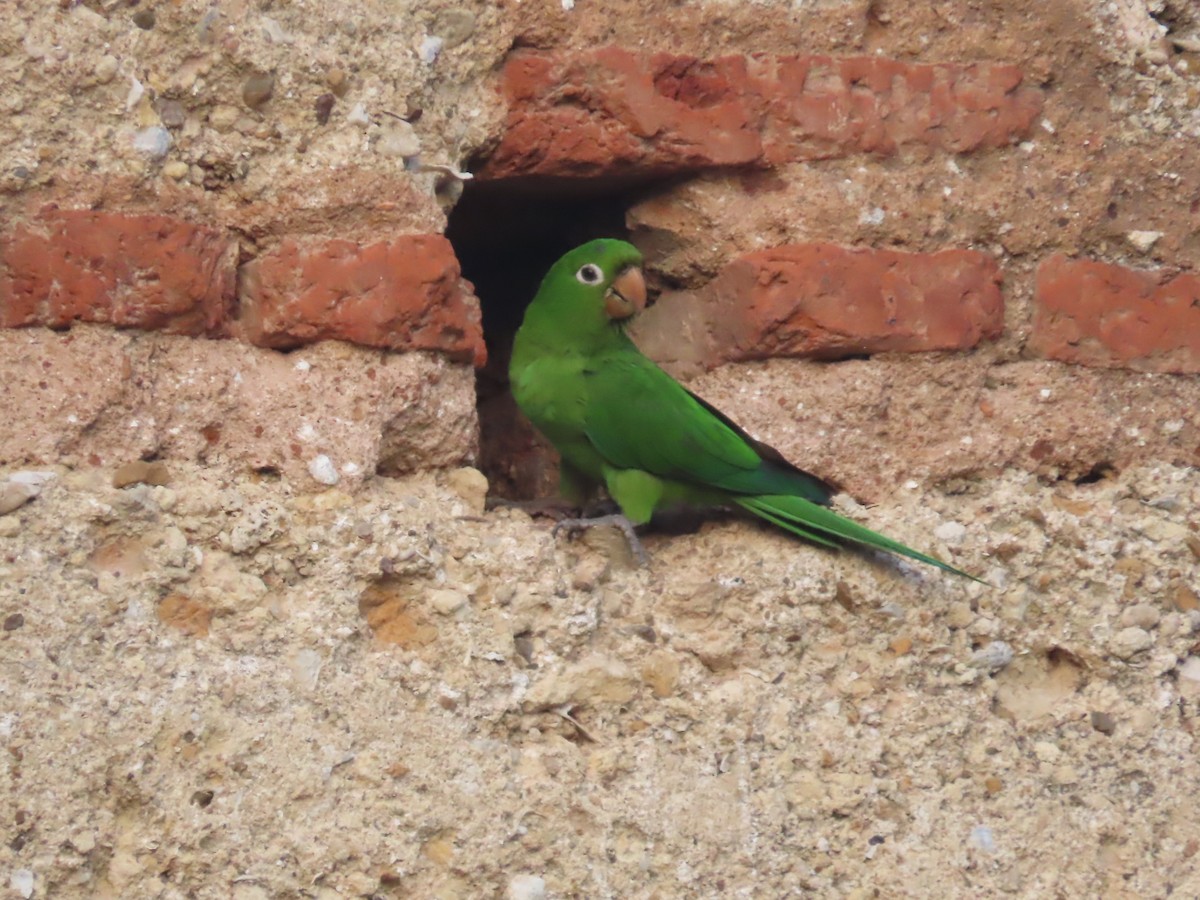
{"x":626,"y":295}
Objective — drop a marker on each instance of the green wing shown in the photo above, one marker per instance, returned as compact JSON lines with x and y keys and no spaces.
{"x":639,"y":417}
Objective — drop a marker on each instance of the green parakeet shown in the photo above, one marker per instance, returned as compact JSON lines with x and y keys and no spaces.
{"x":621,"y":422}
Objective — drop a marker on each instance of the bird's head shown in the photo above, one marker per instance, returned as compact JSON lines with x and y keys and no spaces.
{"x":601,"y":275}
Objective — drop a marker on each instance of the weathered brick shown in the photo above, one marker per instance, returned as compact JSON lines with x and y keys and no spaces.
{"x":140,"y":271}
{"x":611,"y":112}
{"x":1100,"y":314}
{"x":406,"y":293}
{"x":827,"y":301}
{"x":102,"y":397}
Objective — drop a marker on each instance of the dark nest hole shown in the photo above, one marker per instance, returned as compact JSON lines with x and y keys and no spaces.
{"x":507,"y":234}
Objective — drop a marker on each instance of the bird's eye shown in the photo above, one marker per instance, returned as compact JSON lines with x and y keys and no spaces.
{"x":589,"y":274}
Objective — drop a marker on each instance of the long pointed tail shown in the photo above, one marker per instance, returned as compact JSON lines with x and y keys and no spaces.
{"x":823,"y":526}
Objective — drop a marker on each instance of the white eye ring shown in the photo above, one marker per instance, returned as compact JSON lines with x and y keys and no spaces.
{"x":589,"y":273}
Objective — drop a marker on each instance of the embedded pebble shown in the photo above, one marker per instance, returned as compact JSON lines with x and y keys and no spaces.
{"x":172,"y":114}
{"x":596,"y":679}
{"x":992,"y":658}
{"x":950,"y":532}
{"x":306,"y":669}
{"x":456,"y":25}
{"x":14,"y":495}
{"x":106,"y":68}
{"x":223,"y":117}
{"x":1103,"y":722}
{"x":1143,"y":240}
{"x":447,"y":602}
{"x":431,"y":47}
{"x":982,"y":838}
{"x":323,"y":470}
{"x":274,"y":32}
{"x":1046,"y":751}
{"x":21,"y":881}
{"x":257,"y":89}
{"x":136,"y":92}
{"x":1143,"y":615}
{"x":141,"y":472}
{"x":526,"y":887}
{"x":471,"y":485}
{"x":1128,"y":642}
{"x":398,"y":139}
{"x":154,"y":141}
{"x":323,"y":107}
{"x":338,"y":82}
{"x":960,"y":615}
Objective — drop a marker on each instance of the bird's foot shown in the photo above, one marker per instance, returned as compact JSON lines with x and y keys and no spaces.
{"x":573,"y":526}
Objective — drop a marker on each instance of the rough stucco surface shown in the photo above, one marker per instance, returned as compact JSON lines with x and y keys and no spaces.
{"x":222,"y":687}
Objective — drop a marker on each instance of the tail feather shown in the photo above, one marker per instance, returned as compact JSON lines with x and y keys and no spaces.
{"x":815,"y":536}
{"x":819,"y":524}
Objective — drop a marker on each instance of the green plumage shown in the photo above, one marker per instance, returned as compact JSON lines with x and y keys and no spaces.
{"x":621,"y":422}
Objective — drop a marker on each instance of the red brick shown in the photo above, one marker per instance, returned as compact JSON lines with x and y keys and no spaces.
{"x":140,"y":271}
{"x":611,"y":112}
{"x":403,"y":294}
{"x":827,"y":301}
{"x":1099,"y":314}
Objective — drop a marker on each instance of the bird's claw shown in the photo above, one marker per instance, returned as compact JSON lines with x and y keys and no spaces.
{"x":574,"y":526}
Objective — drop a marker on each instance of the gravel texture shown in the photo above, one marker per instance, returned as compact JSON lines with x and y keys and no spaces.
{"x":226,"y":686}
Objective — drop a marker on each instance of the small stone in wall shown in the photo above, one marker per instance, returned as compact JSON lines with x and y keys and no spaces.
{"x":447,"y":602}
{"x":154,"y":142}
{"x":456,"y":25}
{"x":526,"y":887}
{"x":398,"y":139}
{"x":142,"y":472}
{"x":324,"y":108}
{"x":257,"y":89}
{"x":223,"y":117}
{"x":171,"y":113}
{"x":1143,"y":241}
{"x":106,"y":68}
{"x":1128,"y":642}
{"x":595,"y":681}
{"x":322,"y":469}
{"x":14,"y":495}
{"x":992,"y":658}
{"x":1142,"y":615}
{"x":471,"y":485}
{"x":20,"y":488}
{"x":431,"y":48}
{"x":338,"y":81}
{"x":950,"y":532}
{"x":22,"y":881}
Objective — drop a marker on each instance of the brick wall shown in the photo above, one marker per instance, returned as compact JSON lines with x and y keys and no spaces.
{"x":833,"y":204}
